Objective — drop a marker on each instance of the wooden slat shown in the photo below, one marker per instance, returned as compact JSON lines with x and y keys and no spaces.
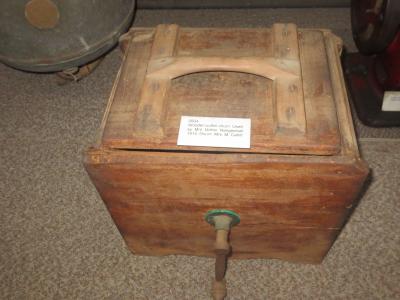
{"x":150,"y":112}
{"x":165,"y":39}
{"x":262,"y":66}
{"x":285,"y":41}
{"x":334,"y":46}
{"x":120,"y":124}
{"x":319,"y":97}
{"x":289,"y":109}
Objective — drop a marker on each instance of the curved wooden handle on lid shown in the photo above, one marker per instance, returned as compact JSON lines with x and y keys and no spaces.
{"x":283,"y":68}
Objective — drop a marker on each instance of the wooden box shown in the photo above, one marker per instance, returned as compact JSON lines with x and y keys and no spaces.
{"x":293,"y":188}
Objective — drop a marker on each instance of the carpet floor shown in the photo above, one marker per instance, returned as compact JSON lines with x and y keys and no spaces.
{"x":57,"y":240}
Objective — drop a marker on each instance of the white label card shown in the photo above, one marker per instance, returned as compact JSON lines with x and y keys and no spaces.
{"x":391,"y":101}
{"x":214,"y":132}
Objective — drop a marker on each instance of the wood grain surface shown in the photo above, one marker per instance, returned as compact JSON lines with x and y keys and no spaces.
{"x":293,"y":189}
{"x":292,"y":62}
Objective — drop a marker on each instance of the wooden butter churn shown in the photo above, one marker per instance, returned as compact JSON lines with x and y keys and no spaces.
{"x":293,"y":189}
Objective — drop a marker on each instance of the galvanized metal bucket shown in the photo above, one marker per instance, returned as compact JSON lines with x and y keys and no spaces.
{"x":54,"y":35}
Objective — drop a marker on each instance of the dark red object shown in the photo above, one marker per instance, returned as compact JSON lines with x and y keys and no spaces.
{"x":391,"y":62}
{"x":376,"y":31}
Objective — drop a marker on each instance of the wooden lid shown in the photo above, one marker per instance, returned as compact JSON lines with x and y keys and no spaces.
{"x":279,"y":77}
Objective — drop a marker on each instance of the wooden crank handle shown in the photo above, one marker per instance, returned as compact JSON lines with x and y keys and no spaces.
{"x":222,"y":250}
{"x":219,"y":291}
{"x":222,"y":220}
